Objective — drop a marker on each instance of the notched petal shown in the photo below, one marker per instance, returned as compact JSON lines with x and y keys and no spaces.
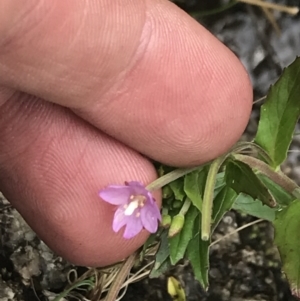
{"x":133,"y":227}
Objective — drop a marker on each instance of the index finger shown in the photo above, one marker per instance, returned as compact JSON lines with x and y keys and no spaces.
{"x":143,"y":72}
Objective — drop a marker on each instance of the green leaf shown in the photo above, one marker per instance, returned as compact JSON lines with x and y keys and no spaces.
{"x":279,"y":115}
{"x":162,"y":269}
{"x":194,"y":183}
{"x":163,"y":252}
{"x":177,"y":188}
{"x":151,"y":240}
{"x":248,"y":205}
{"x":241,"y":178}
{"x":287,"y":239}
{"x":197,"y":254}
{"x":222,"y":203}
{"x":220,"y":182}
{"x":179,"y":242}
{"x":281,"y":196}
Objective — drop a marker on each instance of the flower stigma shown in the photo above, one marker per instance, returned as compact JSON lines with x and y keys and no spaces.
{"x":136,"y":201}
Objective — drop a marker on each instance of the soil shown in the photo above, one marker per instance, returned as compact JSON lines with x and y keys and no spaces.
{"x":246,"y":265}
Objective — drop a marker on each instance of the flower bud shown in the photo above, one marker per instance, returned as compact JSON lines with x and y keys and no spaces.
{"x":167,"y":192}
{"x":166,"y":220}
{"x":176,"y":204}
{"x":175,"y":289}
{"x":176,"y":225}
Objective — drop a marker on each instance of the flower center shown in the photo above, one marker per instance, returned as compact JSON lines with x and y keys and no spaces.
{"x":136,"y":201}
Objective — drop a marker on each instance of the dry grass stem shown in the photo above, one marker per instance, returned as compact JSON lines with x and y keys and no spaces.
{"x":260,"y":99}
{"x":270,"y":16}
{"x":236,"y":230}
{"x":292,"y":10}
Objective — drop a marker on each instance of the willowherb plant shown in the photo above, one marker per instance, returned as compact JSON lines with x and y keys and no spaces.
{"x":196,"y":199}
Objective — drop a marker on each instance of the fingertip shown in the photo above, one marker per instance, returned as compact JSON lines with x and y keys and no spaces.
{"x":189,"y":98}
{"x":54,"y":184}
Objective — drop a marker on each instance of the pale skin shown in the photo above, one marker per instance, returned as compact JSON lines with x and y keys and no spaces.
{"x":88,"y":90}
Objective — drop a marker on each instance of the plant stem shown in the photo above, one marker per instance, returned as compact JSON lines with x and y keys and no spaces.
{"x":186,"y":205}
{"x":278,"y":178}
{"x":241,"y":146}
{"x":178,"y":173}
{"x":208,"y":197}
{"x":171,"y":176}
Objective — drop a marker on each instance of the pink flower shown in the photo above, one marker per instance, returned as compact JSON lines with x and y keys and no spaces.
{"x":136,"y":210}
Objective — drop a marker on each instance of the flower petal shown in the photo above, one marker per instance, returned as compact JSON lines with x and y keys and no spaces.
{"x":115,"y":195}
{"x":120,"y":219}
{"x":150,"y":215}
{"x":133,"y":227}
{"x":138,"y":188}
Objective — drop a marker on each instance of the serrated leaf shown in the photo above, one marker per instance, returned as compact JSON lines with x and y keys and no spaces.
{"x":223,"y":202}
{"x":248,"y":205}
{"x":241,"y":178}
{"x":287,"y":225}
{"x":281,"y":196}
{"x":178,"y":244}
{"x":279,"y":115}
{"x":193,"y":186}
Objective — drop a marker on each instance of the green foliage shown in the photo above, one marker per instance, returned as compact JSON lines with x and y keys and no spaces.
{"x":279,"y":115}
{"x":162,"y":261}
{"x":246,"y":204}
{"x":282,"y":197}
{"x":161,"y":269}
{"x":287,"y":225}
{"x":252,"y":188}
{"x":193,"y":186}
{"x":179,"y":242}
{"x":223,"y":202}
{"x":198,"y":250}
{"x":198,"y":255}
{"x":220,"y":182}
{"x":241,"y":178}
{"x":177,"y":188}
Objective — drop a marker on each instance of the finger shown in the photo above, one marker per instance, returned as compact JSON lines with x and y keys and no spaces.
{"x":142,"y":71}
{"x":52,"y":165}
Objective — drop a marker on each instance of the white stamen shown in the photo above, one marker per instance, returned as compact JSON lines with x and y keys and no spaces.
{"x":131,"y":207}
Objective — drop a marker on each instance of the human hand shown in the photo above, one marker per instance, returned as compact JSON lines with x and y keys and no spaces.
{"x":86,"y":87}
